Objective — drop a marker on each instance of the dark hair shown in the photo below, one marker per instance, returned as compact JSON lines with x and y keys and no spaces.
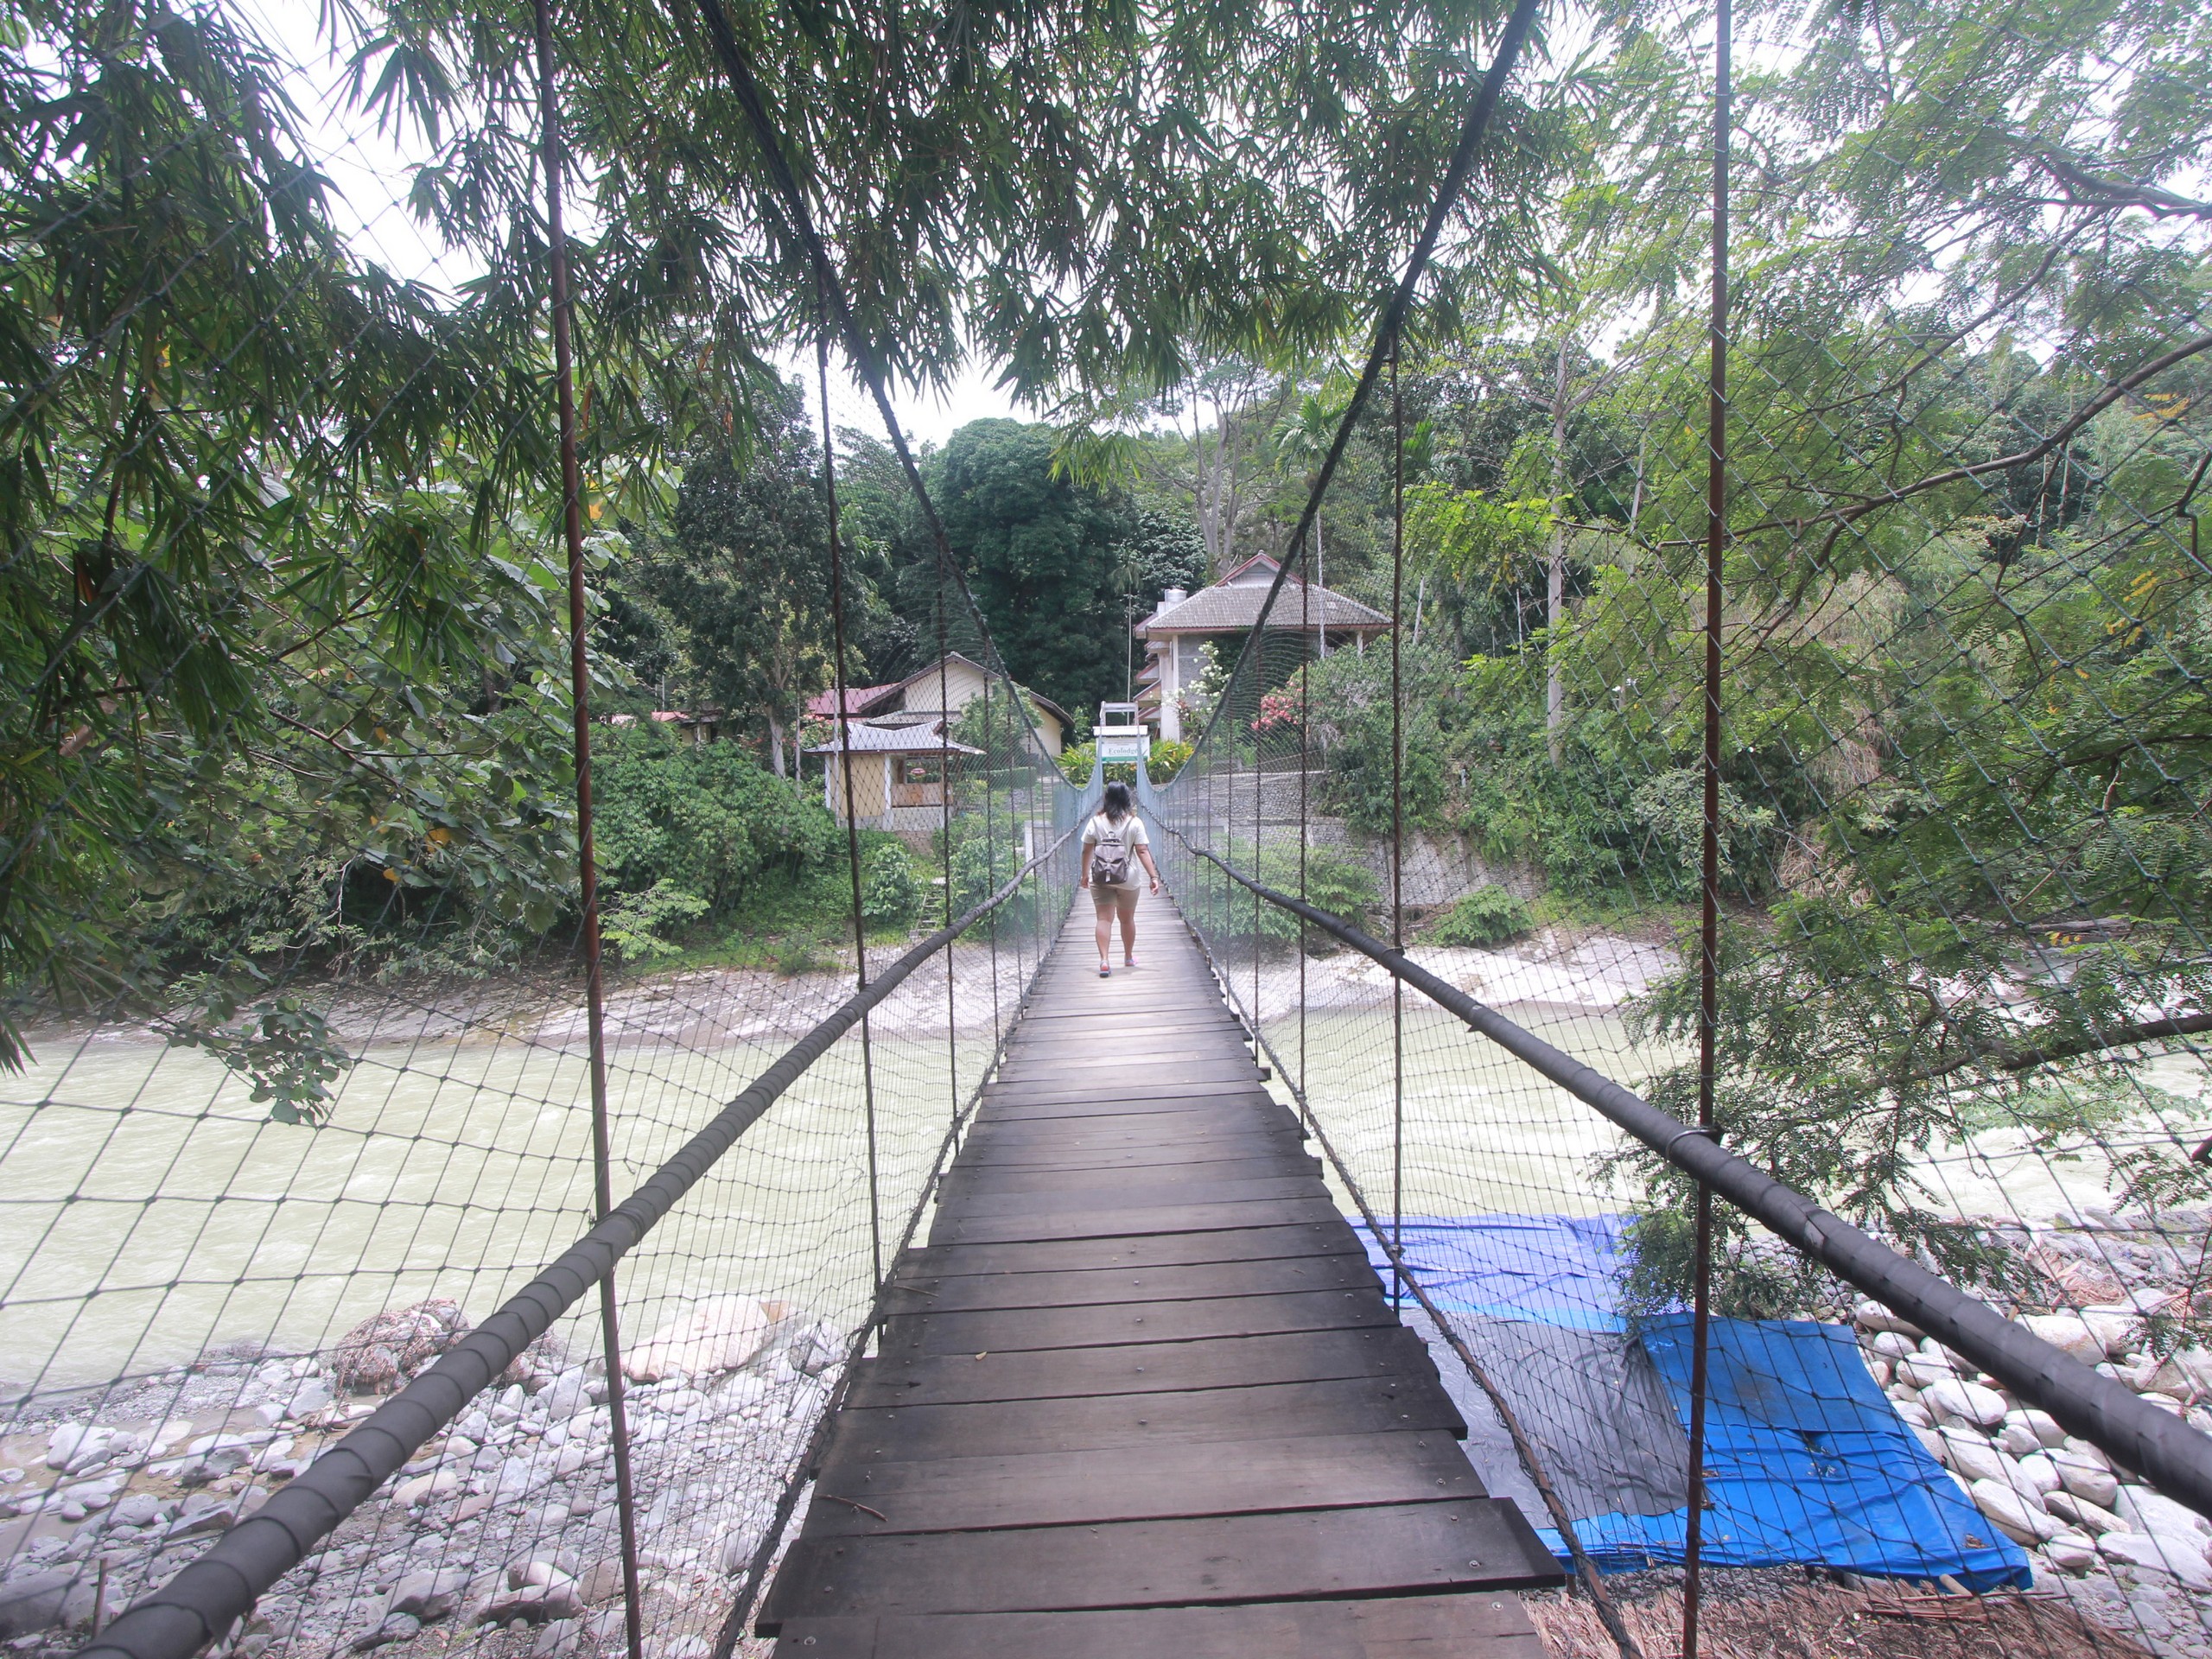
{"x":1117,"y":802}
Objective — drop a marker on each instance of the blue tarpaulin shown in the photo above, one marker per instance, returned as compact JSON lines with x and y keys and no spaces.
{"x":1807,"y":1461}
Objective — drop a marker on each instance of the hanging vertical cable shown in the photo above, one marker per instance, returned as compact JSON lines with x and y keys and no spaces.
{"x":572,"y":527}
{"x":1397,"y":830}
{"x":1716,"y":503}
{"x":852,"y":818}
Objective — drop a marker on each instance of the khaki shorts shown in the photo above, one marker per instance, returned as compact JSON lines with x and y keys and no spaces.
{"x":1107,"y":898}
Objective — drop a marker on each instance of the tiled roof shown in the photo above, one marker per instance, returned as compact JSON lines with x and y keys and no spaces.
{"x":922,"y":738}
{"x":859,"y":699}
{"x":1231,"y":610}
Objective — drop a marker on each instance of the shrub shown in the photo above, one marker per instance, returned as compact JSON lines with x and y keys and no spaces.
{"x":1341,"y":886}
{"x":1166,"y":759}
{"x":1075,"y":762}
{"x":1485,"y":917}
{"x":891,"y":893}
{"x":703,"y":820}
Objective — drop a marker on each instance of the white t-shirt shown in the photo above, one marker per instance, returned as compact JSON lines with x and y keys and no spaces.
{"x":1127,"y":835}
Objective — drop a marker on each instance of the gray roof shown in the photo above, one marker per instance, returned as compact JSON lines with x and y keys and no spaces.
{"x":1236,"y":609}
{"x":911,"y":738}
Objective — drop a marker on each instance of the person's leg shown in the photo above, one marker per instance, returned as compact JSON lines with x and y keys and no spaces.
{"x":1128,"y":908}
{"x":1103,"y":898}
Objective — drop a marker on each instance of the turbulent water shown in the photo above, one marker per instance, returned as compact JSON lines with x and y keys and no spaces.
{"x":149,"y":1209}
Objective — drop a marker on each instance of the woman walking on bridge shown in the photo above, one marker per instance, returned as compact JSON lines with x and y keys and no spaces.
{"x":1114,"y":843}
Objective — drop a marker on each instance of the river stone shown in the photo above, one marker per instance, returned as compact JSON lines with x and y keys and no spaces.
{"x":536,"y":1603}
{"x":74,"y":1448}
{"x":423,"y":1488}
{"x":2018,"y":1440}
{"x":2035,"y":1474}
{"x":2041,"y":1424}
{"x":2067,"y":1332}
{"x":2072,"y":1552}
{"x":2150,"y":1512}
{"x":136,"y":1509}
{"x":569,"y":1394}
{"x":428,"y":1595}
{"x":1967,"y":1402}
{"x":2016,"y":1517}
{"x":2117,"y":1328}
{"x":41,"y":1601}
{"x":719,"y":1333}
{"x":1971,"y":1456}
{"x":1872,"y":1316}
{"x":601,"y":1580}
{"x":2159,"y":1552}
{"x":560,"y":1636}
{"x":2083,"y":1513}
{"x":1891,"y":1344}
{"x":1914,"y":1412}
{"x":311,"y":1397}
{"x":1924,"y":1371}
{"x":541,"y":1566}
{"x":2084,"y":1476}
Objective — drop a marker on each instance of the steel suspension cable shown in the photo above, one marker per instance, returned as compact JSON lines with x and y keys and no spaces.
{"x":1515,"y":36}
{"x":587,"y":859}
{"x":1398,"y":827}
{"x":845,"y":716}
{"x":1708,"y":1014}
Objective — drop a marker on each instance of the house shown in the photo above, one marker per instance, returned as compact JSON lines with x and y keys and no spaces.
{"x":898,"y":773}
{"x":1176,"y":634}
{"x":948,"y":685}
{"x":702,"y":727}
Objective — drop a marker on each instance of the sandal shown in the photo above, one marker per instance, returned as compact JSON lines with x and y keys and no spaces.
{"x":1105,"y":972}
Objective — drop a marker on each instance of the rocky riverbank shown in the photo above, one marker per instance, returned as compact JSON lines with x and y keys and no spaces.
{"x":2119,"y":1297}
{"x":503,"y":1529}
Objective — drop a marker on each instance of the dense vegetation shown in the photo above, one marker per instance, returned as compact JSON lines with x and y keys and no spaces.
{"x":281,"y":611}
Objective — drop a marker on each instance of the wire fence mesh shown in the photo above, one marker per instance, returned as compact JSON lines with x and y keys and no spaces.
{"x":301,"y":1082}
{"x":1960,"y":810}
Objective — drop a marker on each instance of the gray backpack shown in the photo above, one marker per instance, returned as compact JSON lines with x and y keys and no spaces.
{"x":1109,"y":857}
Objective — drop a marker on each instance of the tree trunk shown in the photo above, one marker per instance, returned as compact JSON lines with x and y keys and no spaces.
{"x":776,"y":743}
{"x":1555,"y":576}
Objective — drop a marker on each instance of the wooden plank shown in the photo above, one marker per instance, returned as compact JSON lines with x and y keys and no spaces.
{"x":1128,"y":1149}
{"x":987,"y":1201}
{"x":1127,"y":1073}
{"x":1151,"y":1483}
{"x":952,"y":1227}
{"x":1483,"y":1624}
{"x":1042,"y":1102}
{"x":1207,"y":1281}
{"x":1249,"y":1113}
{"x":1450,"y":1544}
{"x":1326,"y":1235}
{"x":1099,"y":1324}
{"x":1146,"y":1368}
{"x":1096,"y":1422}
{"x":984,"y":1180}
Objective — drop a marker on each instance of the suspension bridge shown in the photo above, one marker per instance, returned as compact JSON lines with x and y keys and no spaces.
{"x":1139,"y":1391}
{"x":965,"y":1302}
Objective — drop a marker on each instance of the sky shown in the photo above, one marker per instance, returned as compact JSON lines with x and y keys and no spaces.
{"x":370,"y":171}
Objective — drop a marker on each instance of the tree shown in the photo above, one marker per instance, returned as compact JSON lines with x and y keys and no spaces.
{"x":1041,"y":552}
{"x":744,"y":577}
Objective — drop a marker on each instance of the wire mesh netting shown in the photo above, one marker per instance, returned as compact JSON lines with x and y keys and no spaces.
{"x":1960,"y":816}
{"x":301,"y":1053}
{"x":306,"y":454}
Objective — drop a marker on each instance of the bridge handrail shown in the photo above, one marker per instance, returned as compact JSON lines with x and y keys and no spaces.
{"x":205,"y":1598}
{"x":2170,"y":1454}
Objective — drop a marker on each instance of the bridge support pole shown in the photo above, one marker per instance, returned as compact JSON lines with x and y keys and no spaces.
{"x":587,"y":863}
{"x":1716,"y":537}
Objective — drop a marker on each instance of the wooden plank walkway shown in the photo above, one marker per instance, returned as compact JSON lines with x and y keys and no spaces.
{"x":1140,"y":1393}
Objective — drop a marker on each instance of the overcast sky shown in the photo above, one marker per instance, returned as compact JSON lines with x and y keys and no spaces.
{"x":370,"y":171}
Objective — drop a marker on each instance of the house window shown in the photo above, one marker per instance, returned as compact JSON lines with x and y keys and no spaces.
{"x":922,"y":772}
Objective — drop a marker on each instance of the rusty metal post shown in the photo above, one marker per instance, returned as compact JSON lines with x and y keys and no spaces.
{"x":1397,"y":832}
{"x":844,"y":717}
{"x":586,"y":864}
{"x":1716,"y":535}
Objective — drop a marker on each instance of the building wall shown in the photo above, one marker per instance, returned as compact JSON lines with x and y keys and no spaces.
{"x":871,"y":786}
